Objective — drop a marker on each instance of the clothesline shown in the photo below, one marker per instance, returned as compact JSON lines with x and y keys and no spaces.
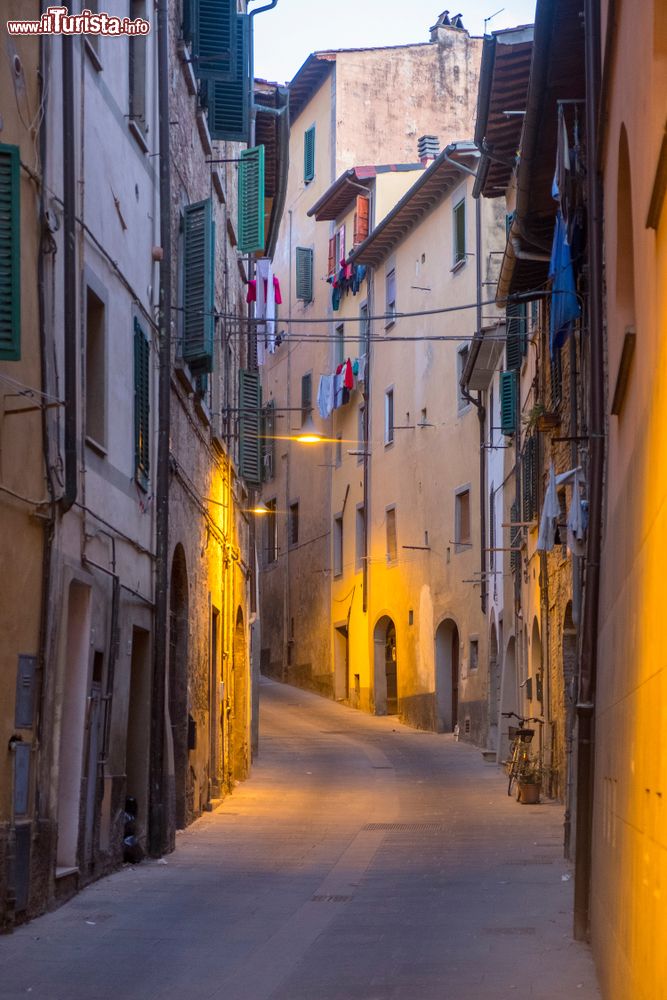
{"x":334,"y":390}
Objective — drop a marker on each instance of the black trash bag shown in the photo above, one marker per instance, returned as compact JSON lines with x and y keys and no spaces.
{"x":133,"y":852}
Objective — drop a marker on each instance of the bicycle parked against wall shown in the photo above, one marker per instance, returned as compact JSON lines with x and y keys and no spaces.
{"x":521,"y":737}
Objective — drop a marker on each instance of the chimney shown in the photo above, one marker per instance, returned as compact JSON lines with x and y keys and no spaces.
{"x":445,"y":21}
{"x":428,"y":148}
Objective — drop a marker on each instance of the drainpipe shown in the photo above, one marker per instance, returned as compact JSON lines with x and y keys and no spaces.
{"x":69,"y":279}
{"x":158,"y":831}
{"x":481,"y":411}
{"x":590,"y":619}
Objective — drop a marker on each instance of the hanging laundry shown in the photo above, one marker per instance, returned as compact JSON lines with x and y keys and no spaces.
{"x":339,"y":388}
{"x":348,"y":378}
{"x":546,"y":538}
{"x":565,"y":308}
{"x":577,"y":518}
{"x":326,"y":395}
{"x":560,"y":186}
{"x":358,"y":275}
{"x":355,"y":367}
{"x":361,"y":371}
{"x":335,"y":298}
{"x":550,"y":513}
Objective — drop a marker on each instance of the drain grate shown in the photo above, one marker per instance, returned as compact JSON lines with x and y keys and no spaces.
{"x":508,"y":930}
{"x":331,"y":899}
{"x":406,"y":827}
{"x":383,"y":767}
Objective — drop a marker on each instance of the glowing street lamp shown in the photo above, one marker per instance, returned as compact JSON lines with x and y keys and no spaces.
{"x":308,"y":434}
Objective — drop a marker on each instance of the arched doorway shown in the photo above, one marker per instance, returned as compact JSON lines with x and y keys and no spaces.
{"x":239,"y":734}
{"x":178,"y":679}
{"x":447,"y":675}
{"x":494,"y":688}
{"x":509,"y":697}
{"x":385,"y":667}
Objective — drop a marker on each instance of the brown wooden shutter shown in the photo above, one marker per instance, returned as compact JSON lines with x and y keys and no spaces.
{"x":361,"y":220}
{"x":332,"y":255}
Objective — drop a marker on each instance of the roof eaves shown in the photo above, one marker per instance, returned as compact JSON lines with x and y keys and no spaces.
{"x":382,"y":236}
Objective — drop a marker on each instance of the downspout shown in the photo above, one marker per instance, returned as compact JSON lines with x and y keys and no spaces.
{"x":158,"y":820}
{"x":590,"y":618}
{"x":69,"y":278}
{"x":366,"y":443}
{"x":481,"y":411}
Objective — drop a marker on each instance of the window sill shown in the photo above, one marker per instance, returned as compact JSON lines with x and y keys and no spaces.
{"x":202,"y":411}
{"x":142,"y":481}
{"x":93,"y":54}
{"x":204,"y":134}
{"x":460,"y":547}
{"x":457,"y":267}
{"x":186,"y":66}
{"x":138,"y":134}
{"x":389,"y":444}
{"x":96,"y":446}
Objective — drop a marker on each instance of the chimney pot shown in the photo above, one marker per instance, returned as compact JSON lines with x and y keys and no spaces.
{"x":428,"y":148}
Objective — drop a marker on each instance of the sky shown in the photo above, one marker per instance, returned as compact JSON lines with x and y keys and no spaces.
{"x":286,"y":35}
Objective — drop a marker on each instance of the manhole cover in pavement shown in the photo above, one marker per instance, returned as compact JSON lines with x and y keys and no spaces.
{"x":406,"y":827}
{"x":508,"y":930}
{"x":331,"y":899}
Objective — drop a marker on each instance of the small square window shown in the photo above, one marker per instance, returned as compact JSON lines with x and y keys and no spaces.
{"x":389,"y":416}
{"x":306,"y":396}
{"x":392,"y":542}
{"x":459,"y":232}
{"x":294,"y":524}
{"x":360,"y":537}
{"x":271,"y":532}
{"x":462,"y":519}
{"x":390,"y":300}
{"x":338,"y":545}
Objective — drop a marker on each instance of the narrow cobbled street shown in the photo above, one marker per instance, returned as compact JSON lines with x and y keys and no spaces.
{"x":362,"y":860}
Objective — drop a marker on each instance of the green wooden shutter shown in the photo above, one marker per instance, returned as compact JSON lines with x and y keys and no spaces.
{"x":268,"y":441}
{"x":251,"y":200}
{"x":304,"y":274}
{"x":213,"y":27}
{"x":250,"y":401}
{"x":309,"y":154}
{"x":10,"y":254}
{"x":515,"y":319}
{"x":228,"y":101}
{"x":529,"y":472}
{"x":141,"y":405}
{"x":508,"y":402}
{"x":198,"y":298}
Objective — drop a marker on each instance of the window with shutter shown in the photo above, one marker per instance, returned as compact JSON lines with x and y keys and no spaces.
{"x":331,"y":266}
{"x":390,"y":298}
{"x":508,"y":402}
{"x":391,"y":535}
{"x":306,"y":396}
{"x":529,"y":473}
{"x":304,"y":274}
{"x":10,"y":254}
{"x":459,"y":226}
{"x":141,"y":405}
{"x":250,"y":401}
{"x":251,"y":200}
{"x":361,"y":219}
{"x":516,"y":335}
{"x":268,"y":442}
{"x":309,"y":154}
{"x":137,"y":49}
{"x":228,"y":101}
{"x":492,"y":528}
{"x":198,"y":287}
{"x":213,"y":26}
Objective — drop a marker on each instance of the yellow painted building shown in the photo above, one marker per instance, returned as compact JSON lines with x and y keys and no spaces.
{"x":629,"y":875}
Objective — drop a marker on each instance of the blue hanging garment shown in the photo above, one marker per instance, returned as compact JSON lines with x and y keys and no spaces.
{"x":565,"y":308}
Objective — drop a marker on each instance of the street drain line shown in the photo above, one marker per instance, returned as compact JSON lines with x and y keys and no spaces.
{"x":331,"y":899}
{"x":407,"y":827}
{"x":508,"y":930}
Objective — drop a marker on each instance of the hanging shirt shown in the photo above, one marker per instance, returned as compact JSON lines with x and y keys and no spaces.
{"x":325,"y":395}
{"x":348,"y":378}
{"x":565,"y":308}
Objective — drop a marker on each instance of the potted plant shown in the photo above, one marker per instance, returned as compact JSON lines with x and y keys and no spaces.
{"x":541,"y":419}
{"x":529,"y":783}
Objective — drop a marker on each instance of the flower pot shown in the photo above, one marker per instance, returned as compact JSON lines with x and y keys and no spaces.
{"x":528,"y":793}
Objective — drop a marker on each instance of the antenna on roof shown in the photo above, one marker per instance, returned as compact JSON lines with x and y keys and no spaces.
{"x":491,"y":17}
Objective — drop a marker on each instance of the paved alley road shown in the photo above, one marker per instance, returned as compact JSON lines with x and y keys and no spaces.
{"x":361,"y":861}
